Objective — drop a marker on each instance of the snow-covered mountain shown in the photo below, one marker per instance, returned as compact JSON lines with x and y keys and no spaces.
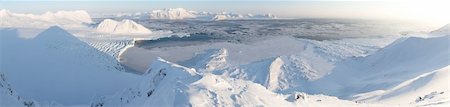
{"x":181,"y":13}
{"x":61,"y":18}
{"x":172,"y":13}
{"x":59,"y":67}
{"x":123,"y":27}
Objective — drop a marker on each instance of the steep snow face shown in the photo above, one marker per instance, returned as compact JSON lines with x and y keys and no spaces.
{"x":284,"y":74}
{"x":161,"y":86}
{"x":208,"y":61}
{"x":387,"y":69}
{"x":428,"y":88}
{"x":171,"y":13}
{"x":9,"y":97}
{"x":124,"y":27}
{"x":61,"y":18}
{"x":57,"y":64}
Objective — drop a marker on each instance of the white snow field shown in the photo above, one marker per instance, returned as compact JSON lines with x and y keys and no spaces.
{"x":66,"y":59}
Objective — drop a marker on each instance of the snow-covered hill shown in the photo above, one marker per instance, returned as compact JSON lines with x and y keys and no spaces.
{"x":123,"y":27}
{"x":61,"y":18}
{"x":60,"y":68}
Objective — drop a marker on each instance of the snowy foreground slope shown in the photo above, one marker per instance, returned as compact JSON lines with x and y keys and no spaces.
{"x":169,"y":84}
{"x":59,"y":68}
{"x":401,"y":74}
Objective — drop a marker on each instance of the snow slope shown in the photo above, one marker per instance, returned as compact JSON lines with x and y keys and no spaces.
{"x":170,"y":84}
{"x":60,"y":68}
{"x":428,"y":88}
{"x":61,"y":18}
{"x":124,"y":27}
{"x":347,"y":69}
{"x":392,"y":73}
{"x":9,"y":97}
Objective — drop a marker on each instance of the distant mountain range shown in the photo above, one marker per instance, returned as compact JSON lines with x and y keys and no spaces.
{"x":181,"y":13}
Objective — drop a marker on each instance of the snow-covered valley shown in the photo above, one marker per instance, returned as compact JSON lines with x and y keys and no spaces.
{"x":169,"y":59}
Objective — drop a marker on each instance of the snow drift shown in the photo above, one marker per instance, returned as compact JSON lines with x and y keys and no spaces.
{"x":124,"y":27}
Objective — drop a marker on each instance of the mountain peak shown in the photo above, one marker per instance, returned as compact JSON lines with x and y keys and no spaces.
{"x":125,"y":26}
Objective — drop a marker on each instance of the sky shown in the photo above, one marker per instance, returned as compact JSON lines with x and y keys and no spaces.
{"x":436,"y":11}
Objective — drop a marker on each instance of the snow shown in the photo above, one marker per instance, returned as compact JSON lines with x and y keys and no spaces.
{"x":428,"y":86}
{"x":57,"y":65}
{"x":379,"y":76}
{"x":8,"y":96}
{"x":123,"y":27}
{"x":81,"y":67}
{"x":184,"y":14}
{"x":61,"y":18}
{"x":171,"y":13}
{"x":405,"y":65}
{"x":170,"y":84}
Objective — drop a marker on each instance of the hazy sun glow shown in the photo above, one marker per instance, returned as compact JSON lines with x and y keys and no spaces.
{"x":427,"y":11}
